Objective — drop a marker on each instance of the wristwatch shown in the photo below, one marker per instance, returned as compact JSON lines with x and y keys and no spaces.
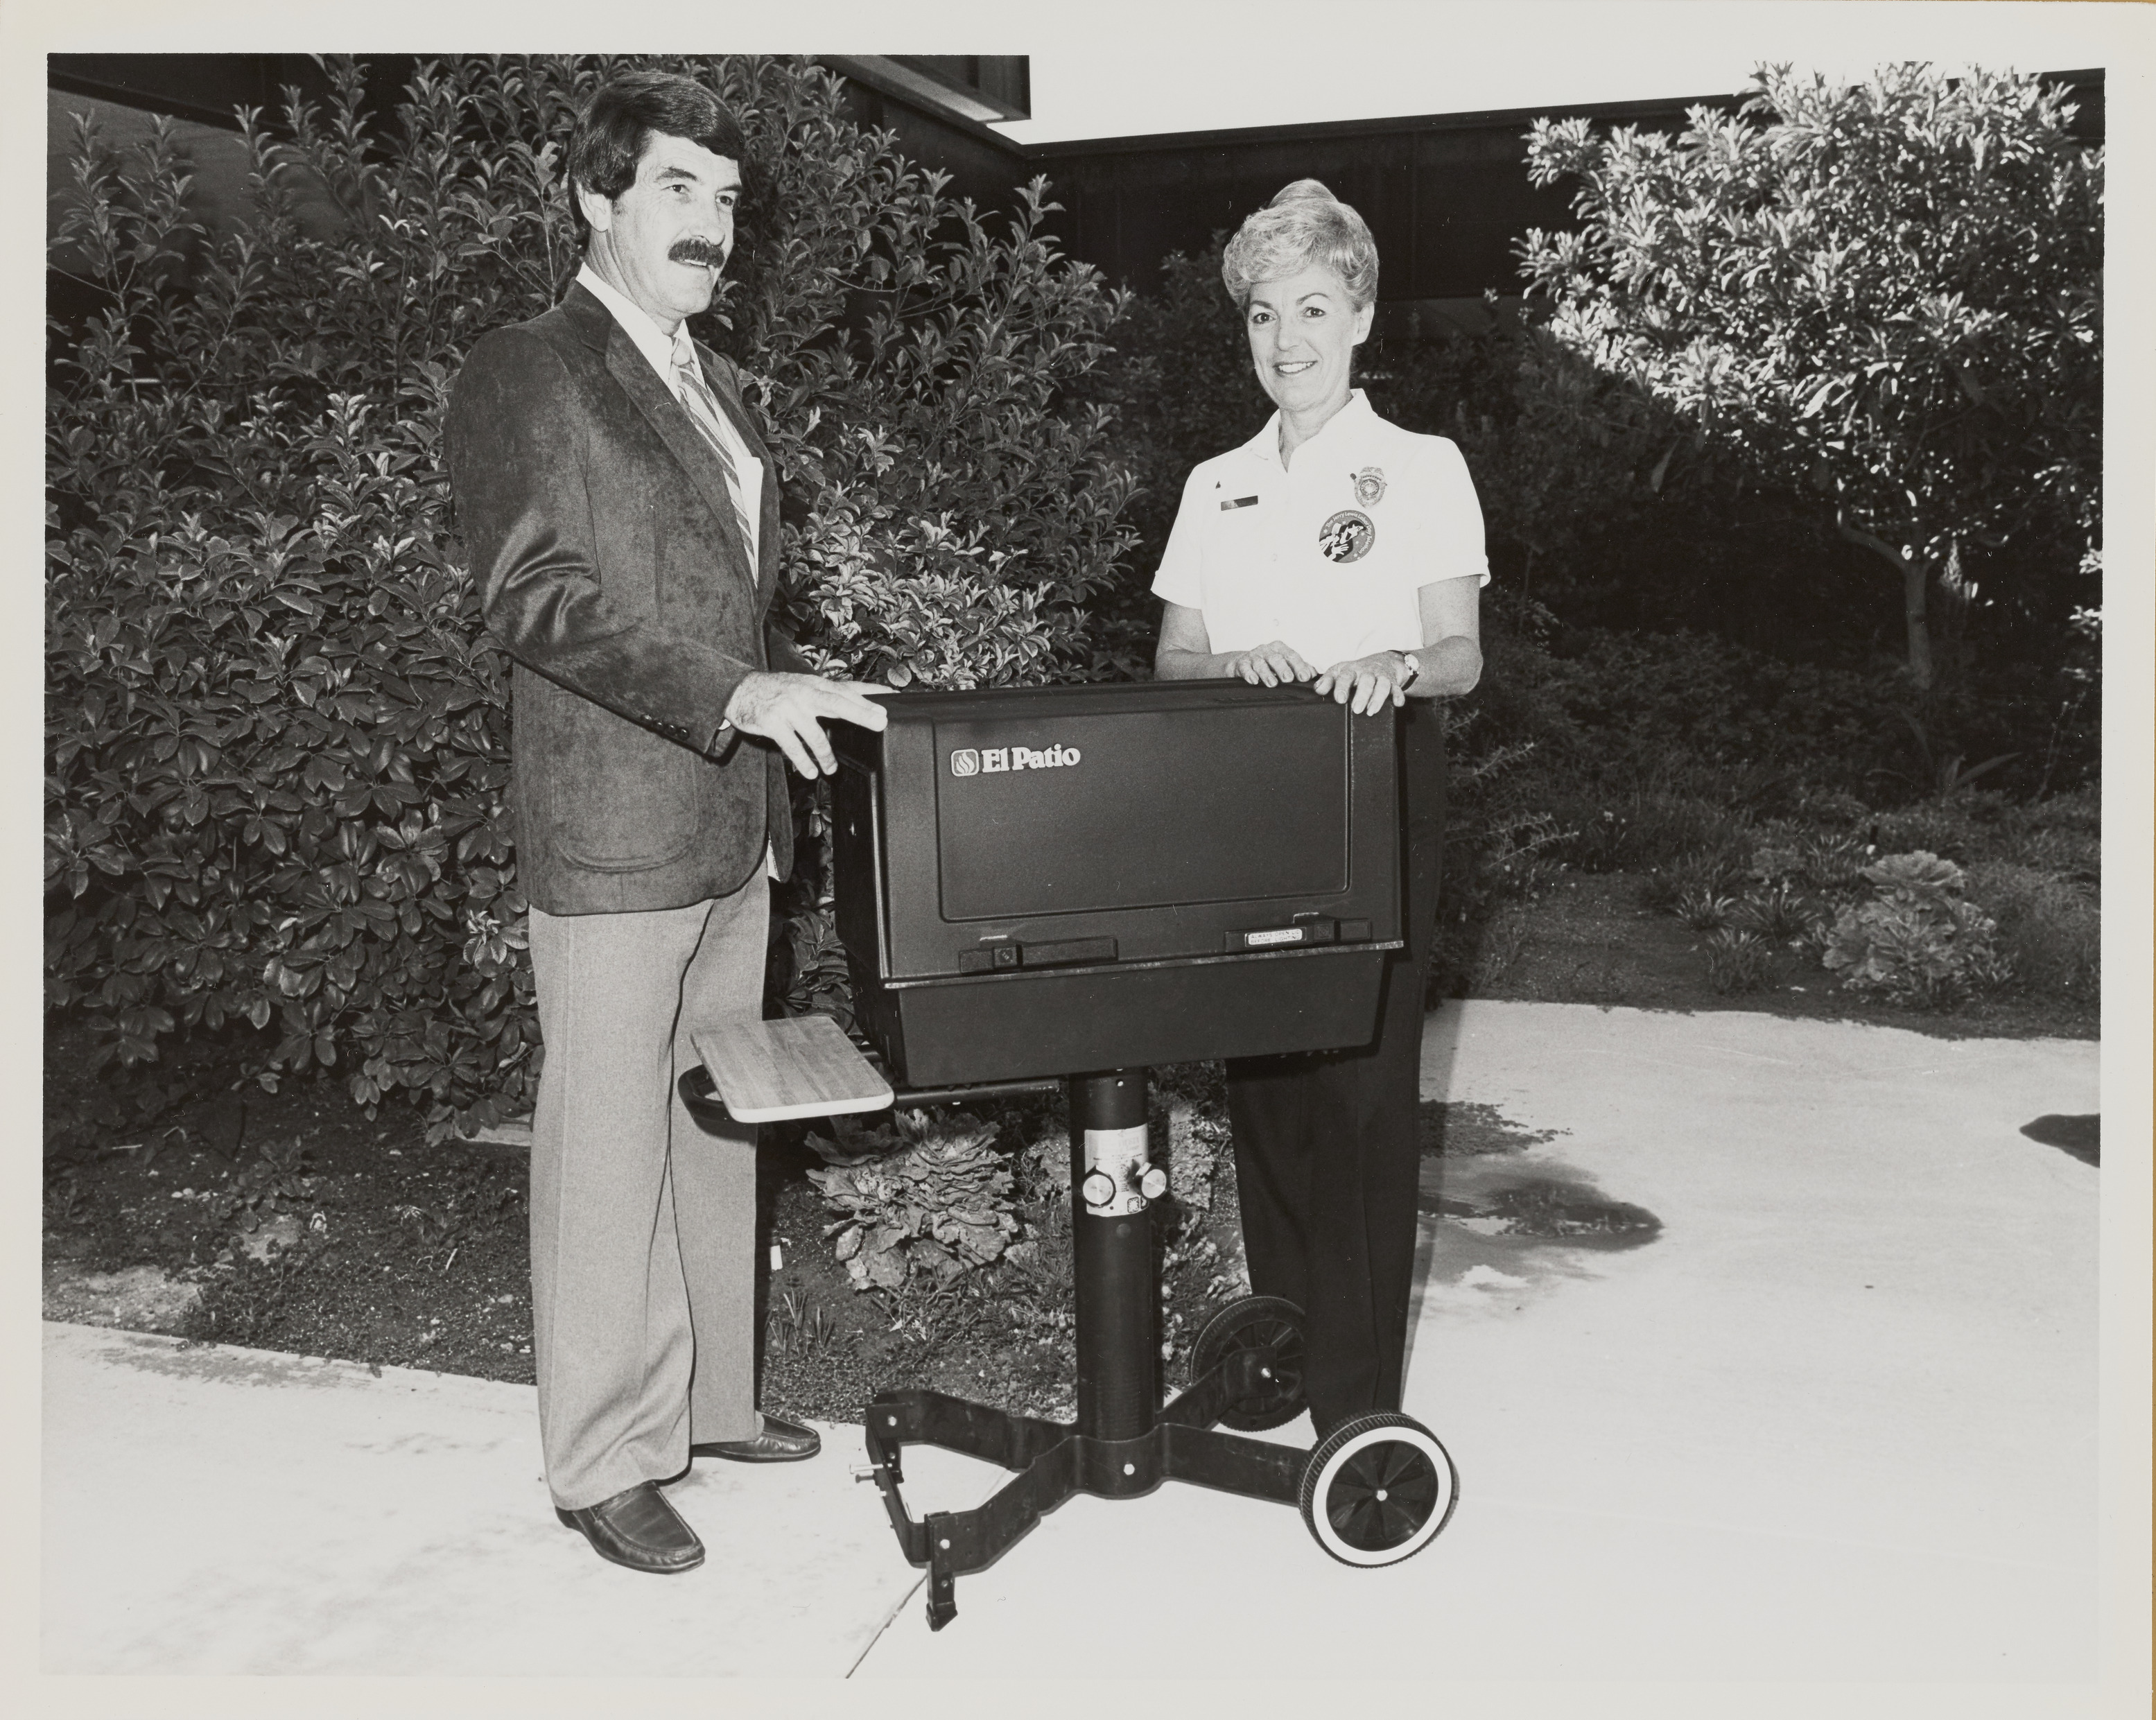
{"x":1414,"y":671}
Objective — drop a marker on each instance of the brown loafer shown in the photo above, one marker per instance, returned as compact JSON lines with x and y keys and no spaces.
{"x":780,"y":1442}
{"x":639,"y":1529}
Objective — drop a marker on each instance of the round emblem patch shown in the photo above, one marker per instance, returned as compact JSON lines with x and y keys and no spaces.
{"x":1347,"y":536}
{"x":1370,"y":486}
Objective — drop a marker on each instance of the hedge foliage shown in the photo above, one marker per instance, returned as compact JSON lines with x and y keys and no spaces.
{"x":276,"y":739}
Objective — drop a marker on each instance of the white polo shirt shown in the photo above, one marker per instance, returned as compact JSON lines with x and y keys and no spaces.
{"x":1332,"y":554}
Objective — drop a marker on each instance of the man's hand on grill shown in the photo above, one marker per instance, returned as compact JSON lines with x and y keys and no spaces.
{"x":791,"y":710}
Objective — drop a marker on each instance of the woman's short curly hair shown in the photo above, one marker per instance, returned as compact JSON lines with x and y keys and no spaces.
{"x":1304,"y":225}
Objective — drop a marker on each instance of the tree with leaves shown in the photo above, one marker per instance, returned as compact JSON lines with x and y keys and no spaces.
{"x":1887,"y":291}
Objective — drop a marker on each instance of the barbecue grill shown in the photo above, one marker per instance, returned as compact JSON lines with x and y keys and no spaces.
{"x":1065,"y":886}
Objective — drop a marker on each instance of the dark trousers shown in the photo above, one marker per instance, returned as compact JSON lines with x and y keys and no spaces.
{"x":1327,"y":1145}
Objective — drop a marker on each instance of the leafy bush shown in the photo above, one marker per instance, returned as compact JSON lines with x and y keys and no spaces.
{"x":2060,"y":835}
{"x":1704,"y":717}
{"x":939,"y":1206}
{"x":1955,"y":829}
{"x":1917,"y":941}
{"x":1638,"y":700}
{"x":276,"y":758}
{"x":1183,"y":389}
{"x":2049,"y":928}
{"x":1648,"y":827}
{"x":1198,"y":1137}
{"x":1498,"y":839}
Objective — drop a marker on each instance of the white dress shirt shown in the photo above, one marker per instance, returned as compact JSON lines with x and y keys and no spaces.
{"x":658,"y":347}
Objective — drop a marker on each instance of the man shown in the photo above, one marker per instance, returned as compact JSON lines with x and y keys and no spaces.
{"x":621,"y":517}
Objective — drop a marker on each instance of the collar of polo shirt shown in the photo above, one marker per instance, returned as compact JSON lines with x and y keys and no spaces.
{"x":1351,"y":420}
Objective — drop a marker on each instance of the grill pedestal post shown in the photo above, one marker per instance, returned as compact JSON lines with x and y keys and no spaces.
{"x":1111,"y":1242}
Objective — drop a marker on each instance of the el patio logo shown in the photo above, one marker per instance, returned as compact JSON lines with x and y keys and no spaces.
{"x":965,"y":762}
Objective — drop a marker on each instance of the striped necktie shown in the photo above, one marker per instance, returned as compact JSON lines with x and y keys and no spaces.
{"x":703,"y":409}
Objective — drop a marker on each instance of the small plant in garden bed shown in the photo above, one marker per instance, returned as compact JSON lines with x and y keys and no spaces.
{"x":803,"y":1328}
{"x":939,"y":1205}
{"x":1701,"y":875}
{"x":1737,"y":961}
{"x":1919,"y":941}
{"x":1001,"y":1328}
{"x":480,"y":1198}
{"x":1601,"y":842}
{"x":1779,"y":913}
{"x":1653,"y":827}
{"x":276,"y":1180}
{"x":1704,"y":910}
{"x":1833,"y":864}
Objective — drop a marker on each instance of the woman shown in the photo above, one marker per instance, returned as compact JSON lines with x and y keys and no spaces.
{"x":1337,"y":549}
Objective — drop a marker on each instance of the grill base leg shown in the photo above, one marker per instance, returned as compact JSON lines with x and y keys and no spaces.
{"x":1054,"y":1461}
{"x":1120,"y":1446}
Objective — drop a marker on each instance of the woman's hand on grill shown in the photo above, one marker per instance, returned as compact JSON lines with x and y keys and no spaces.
{"x":1270,"y":665}
{"x":1367,"y":685}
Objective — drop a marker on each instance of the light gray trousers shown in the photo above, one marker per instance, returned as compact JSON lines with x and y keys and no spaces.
{"x":643,"y":1223}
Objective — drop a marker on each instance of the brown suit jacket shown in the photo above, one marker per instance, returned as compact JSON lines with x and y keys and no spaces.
{"x":613,"y":571}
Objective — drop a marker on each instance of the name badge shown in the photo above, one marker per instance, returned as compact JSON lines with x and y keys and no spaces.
{"x":1240,"y":501}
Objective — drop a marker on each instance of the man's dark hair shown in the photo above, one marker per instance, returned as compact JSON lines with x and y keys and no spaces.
{"x":618,"y":122}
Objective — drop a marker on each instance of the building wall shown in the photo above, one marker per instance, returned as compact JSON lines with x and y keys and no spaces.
{"x":982,"y":166}
{"x":1445,"y":201}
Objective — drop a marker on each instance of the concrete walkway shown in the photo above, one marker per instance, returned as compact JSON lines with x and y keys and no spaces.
{"x":1835,"y":1420}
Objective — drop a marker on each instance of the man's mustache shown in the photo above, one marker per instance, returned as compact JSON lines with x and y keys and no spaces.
{"x":700,"y":252}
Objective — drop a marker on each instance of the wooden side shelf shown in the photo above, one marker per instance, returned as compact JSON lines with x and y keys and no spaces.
{"x":804,"y":1065}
